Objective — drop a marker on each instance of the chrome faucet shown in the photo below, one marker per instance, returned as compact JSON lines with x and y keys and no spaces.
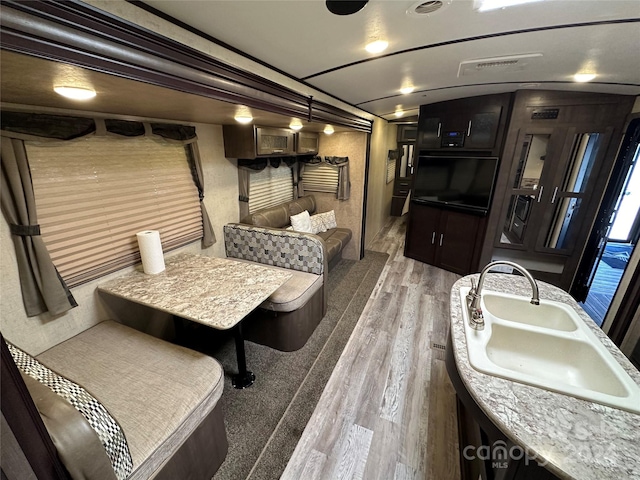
{"x":476,"y":319}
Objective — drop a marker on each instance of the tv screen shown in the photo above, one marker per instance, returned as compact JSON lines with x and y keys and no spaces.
{"x":463,"y":182}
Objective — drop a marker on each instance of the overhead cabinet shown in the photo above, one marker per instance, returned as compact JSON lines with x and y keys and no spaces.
{"x":475,"y":123}
{"x":307,"y":143}
{"x":444,"y":238}
{"x":250,"y":141}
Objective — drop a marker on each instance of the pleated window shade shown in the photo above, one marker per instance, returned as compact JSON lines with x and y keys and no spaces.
{"x":391,"y":169}
{"x":320,"y":177}
{"x":93,"y":195}
{"x":270,"y":187}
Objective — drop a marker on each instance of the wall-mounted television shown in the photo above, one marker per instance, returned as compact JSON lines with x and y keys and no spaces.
{"x":463,"y":183}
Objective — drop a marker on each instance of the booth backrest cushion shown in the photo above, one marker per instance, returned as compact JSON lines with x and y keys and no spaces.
{"x":278,"y":216}
{"x":280,"y":248}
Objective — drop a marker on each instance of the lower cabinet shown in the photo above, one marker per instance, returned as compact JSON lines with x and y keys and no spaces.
{"x":448,"y":239}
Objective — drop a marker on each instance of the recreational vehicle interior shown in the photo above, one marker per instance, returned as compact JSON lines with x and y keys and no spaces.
{"x":250,"y":246}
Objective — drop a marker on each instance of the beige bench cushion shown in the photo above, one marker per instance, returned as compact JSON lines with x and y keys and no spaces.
{"x":294,"y":293}
{"x":158,"y":392}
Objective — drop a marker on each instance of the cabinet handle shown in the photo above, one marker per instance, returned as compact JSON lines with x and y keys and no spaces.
{"x":555,"y":192}
{"x":469,"y":129}
{"x":433,"y":238}
{"x":441,"y":235}
{"x":439,"y":128}
{"x":540,"y":193}
{"x":277,"y":150}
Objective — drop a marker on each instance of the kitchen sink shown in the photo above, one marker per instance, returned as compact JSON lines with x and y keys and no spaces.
{"x":547,"y":346}
{"x":548,"y":314}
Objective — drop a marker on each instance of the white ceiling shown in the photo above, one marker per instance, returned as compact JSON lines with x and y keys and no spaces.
{"x":306,"y":41}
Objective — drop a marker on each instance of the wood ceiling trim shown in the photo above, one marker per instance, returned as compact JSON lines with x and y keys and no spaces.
{"x":79,"y":34}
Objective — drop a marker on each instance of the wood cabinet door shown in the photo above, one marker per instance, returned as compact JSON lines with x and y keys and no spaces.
{"x":421,"y":235}
{"x":429,"y":132}
{"x":456,"y":241}
{"x":271,"y":141}
{"x":308,"y":143}
{"x":482,"y":128}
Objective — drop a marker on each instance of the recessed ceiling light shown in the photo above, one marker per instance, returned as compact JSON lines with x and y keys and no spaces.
{"x":486,"y":5}
{"x":407,"y":90}
{"x":328,"y":130}
{"x":398,"y":113}
{"x":377,"y":46}
{"x":75,"y":93}
{"x":295,"y":125}
{"x":243,"y":118}
{"x":584,"y":77}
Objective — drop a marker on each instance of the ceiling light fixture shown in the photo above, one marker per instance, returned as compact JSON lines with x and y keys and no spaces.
{"x":75,"y":93}
{"x":584,"y":77}
{"x":377,"y":46}
{"x":487,"y":5}
{"x":243,"y":118}
{"x":407,"y":90}
{"x":399,"y":112}
{"x":328,"y":130}
{"x":295,"y":125}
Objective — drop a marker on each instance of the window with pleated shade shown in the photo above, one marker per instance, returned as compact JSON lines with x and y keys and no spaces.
{"x":94,"y":194}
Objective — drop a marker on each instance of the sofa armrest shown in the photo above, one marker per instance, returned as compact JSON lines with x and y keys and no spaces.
{"x":282,"y":248}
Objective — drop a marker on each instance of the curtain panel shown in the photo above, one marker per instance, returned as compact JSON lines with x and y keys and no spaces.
{"x":42,"y":287}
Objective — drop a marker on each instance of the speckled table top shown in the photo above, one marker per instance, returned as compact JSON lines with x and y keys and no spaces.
{"x":217,"y":292}
{"x":574,"y":438}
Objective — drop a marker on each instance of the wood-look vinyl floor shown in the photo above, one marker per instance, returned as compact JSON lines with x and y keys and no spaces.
{"x":388,"y":410}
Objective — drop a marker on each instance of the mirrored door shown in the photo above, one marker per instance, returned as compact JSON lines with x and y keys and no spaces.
{"x":570,"y":191}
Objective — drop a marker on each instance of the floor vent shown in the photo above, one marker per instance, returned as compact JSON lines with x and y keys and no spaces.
{"x":438,"y":346}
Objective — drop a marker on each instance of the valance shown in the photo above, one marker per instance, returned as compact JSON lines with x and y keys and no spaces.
{"x":62,"y":127}
{"x":259,"y":164}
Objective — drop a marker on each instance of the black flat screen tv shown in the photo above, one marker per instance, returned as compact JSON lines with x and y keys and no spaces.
{"x":463,"y":183}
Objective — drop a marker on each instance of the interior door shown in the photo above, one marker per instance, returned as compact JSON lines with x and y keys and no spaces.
{"x":569,"y":200}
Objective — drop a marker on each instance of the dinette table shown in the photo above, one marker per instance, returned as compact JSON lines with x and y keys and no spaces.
{"x":212,"y":291}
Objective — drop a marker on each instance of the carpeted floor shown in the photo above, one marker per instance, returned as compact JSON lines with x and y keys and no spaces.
{"x":265,"y":421}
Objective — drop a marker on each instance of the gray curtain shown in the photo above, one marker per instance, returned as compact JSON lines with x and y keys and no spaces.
{"x":300,"y":189}
{"x":344,"y":182}
{"x":42,"y":287}
{"x":243,"y":191}
{"x":209,"y":237}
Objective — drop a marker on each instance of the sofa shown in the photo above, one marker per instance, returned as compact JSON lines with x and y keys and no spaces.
{"x":287,"y":319}
{"x":144,"y":408}
{"x":335,"y":239}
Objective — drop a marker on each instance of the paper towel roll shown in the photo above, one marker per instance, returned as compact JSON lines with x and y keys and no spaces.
{"x":151,"y":251}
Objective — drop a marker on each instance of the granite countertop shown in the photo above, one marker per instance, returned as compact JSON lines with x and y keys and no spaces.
{"x":572,"y":438}
{"x":217,"y":292}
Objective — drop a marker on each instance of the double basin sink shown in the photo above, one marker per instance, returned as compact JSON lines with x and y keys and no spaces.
{"x":547,"y":346}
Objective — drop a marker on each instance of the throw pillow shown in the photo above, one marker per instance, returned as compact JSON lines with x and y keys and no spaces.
{"x":317,"y":224}
{"x":301,"y":222}
{"x":329,"y":219}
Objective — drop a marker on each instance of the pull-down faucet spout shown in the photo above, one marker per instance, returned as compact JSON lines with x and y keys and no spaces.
{"x":476,"y":319}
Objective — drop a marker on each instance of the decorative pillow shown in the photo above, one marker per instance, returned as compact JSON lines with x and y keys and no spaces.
{"x":329,"y":219}
{"x":302,"y":222}
{"x":317,"y":224}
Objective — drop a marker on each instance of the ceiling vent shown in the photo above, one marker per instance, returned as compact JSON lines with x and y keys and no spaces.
{"x":421,"y":9}
{"x":512,"y":63}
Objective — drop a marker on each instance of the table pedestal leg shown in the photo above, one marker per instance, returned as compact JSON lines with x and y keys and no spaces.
{"x":244,"y":378}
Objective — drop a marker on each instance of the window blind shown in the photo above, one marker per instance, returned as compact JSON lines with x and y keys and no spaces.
{"x":320,"y":177}
{"x":93,"y":195}
{"x":270,"y":187}
{"x":391,"y":169}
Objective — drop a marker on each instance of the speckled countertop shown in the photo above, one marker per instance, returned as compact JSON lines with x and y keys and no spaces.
{"x":217,"y":292}
{"x":576,"y":438}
